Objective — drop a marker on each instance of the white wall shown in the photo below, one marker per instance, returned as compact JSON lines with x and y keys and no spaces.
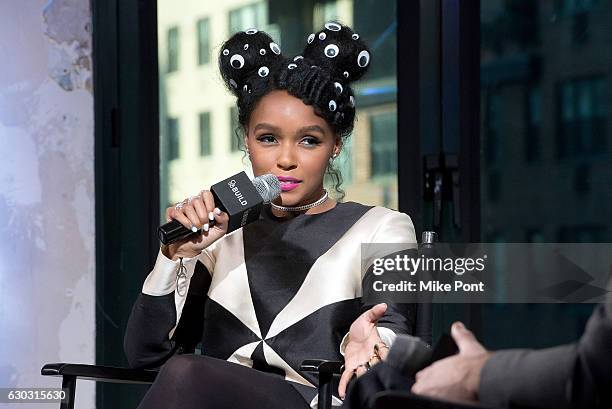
{"x":47,"y":254}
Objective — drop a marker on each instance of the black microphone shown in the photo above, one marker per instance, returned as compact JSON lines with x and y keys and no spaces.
{"x":238,"y":196}
{"x":409,"y":354}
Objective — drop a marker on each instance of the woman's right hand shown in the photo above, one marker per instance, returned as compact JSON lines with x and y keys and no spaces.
{"x":196,"y":211}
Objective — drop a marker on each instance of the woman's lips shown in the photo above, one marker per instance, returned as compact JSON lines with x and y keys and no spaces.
{"x":287,"y":186}
{"x":288,"y":179}
{"x":288,"y":183}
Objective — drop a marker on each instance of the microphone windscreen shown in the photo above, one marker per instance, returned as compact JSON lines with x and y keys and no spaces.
{"x":268,"y":186}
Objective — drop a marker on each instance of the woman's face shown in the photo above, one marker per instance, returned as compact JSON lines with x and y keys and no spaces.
{"x":286,"y":138}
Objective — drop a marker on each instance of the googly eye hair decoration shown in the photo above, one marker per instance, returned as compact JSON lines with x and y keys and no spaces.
{"x":248,"y":57}
{"x":340,"y":50}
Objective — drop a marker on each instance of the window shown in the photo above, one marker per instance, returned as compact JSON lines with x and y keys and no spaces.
{"x":570,"y":7}
{"x":580,"y":28}
{"x":203,"y":41}
{"x":324,"y":11}
{"x":582,"y":118}
{"x":377,"y":26}
{"x":205,"y":142}
{"x":172,"y":138}
{"x":509,"y":26}
{"x":582,"y":178}
{"x":534,"y":236}
{"x":494,"y":185}
{"x":251,"y":16}
{"x":234,"y":129}
{"x":173,"y":49}
{"x":493,"y":145}
{"x":383,"y":143}
{"x":344,"y":160}
{"x":534,"y":122}
{"x":589,"y":233}
{"x":493,"y":129}
{"x":496,"y":236}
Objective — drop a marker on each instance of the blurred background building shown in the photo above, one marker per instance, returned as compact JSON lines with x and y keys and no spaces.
{"x":198,"y":118}
{"x":545,"y":120}
{"x":546,"y":143}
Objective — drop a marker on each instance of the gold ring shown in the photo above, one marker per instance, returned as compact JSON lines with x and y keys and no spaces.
{"x":366,"y":365}
{"x":372,"y":357}
{"x":378,"y":346}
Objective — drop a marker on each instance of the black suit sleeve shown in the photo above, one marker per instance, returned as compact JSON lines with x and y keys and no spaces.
{"x":400,"y":318}
{"x":147,"y":342}
{"x":576,"y":375}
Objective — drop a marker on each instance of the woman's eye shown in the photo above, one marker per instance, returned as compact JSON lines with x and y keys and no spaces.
{"x":310,"y":141}
{"x":266,"y":139}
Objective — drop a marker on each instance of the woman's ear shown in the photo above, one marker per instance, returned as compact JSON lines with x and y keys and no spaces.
{"x":337,"y":146}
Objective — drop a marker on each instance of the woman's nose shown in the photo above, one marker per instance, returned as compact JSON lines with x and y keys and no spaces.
{"x":286,"y":158}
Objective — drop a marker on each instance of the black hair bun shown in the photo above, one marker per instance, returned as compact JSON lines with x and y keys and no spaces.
{"x":248,"y":59}
{"x":339,"y":50}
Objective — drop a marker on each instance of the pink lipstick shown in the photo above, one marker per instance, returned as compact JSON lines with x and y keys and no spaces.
{"x":288,"y":183}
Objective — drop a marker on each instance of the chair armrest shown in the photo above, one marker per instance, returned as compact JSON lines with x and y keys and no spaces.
{"x":321,"y":366}
{"x":325,"y":371}
{"x":100,"y":373}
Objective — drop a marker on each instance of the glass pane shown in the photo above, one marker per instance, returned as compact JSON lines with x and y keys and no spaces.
{"x":205,"y":142}
{"x":173,"y":49}
{"x":199,"y":143}
{"x":172,"y":130}
{"x":546,"y":167}
{"x":234,"y":136}
{"x":203,"y":41}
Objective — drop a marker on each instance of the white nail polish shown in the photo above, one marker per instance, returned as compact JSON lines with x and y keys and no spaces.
{"x":194,"y":229}
{"x":217,"y":211}
{"x":211,"y":216}
{"x":205,"y":227}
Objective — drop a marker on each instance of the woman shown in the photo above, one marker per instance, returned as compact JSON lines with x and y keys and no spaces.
{"x":286,"y":287}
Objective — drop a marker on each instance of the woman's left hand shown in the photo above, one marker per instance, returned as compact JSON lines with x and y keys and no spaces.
{"x":362,"y":338}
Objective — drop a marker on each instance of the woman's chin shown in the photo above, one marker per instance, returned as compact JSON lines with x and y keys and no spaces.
{"x":288,"y":197}
{"x":291,"y":198}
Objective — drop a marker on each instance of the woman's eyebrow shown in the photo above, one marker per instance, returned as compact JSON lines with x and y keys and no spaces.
{"x":266,"y":126}
{"x":309,"y":128}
